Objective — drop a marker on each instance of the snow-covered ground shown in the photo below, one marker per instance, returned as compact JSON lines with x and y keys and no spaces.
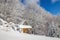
{"x":14,"y":35}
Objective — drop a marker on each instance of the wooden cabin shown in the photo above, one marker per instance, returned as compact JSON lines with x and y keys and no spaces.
{"x":24,"y":27}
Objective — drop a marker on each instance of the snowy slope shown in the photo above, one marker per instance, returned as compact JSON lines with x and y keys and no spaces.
{"x":21,"y":36}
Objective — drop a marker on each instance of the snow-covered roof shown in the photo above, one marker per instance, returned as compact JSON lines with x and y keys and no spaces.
{"x":24,"y":26}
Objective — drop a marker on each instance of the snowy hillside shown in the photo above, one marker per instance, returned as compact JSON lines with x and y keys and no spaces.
{"x":42,"y":22}
{"x":21,"y":36}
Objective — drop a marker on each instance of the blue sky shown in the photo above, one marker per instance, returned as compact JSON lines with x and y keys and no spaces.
{"x":53,"y":6}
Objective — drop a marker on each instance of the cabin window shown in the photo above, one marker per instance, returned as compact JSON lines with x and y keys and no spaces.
{"x":25,"y":23}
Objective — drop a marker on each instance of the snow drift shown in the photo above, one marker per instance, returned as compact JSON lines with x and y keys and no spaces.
{"x":21,"y":36}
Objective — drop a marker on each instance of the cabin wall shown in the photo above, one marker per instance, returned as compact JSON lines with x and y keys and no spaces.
{"x":26,"y":30}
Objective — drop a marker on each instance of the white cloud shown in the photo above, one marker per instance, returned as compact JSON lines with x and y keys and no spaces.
{"x":54,"y":1}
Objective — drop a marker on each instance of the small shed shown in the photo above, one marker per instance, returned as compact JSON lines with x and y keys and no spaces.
{"x":25,"y":28}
